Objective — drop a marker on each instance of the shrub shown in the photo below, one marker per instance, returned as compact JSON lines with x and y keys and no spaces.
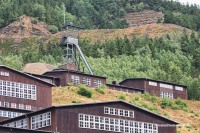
{"x":165,"y":102}
{"x":121,"y":96}
{"x":34,"y":21}
{"x":84,"y":91}
{"x":180,"y":102}
{"x":70,"y":84}
{"x":53,"y":29}
{"x":76,"y":101}
{"x":100,"y":90}
{"x":137,"y":98}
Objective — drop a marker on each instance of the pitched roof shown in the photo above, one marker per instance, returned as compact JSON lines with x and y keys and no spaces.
{"x":28,"y":75}
{"x":72,"y":71}
{"x":87,"y":104}
{"x":152,"y":80}
{"x":125,"y":87}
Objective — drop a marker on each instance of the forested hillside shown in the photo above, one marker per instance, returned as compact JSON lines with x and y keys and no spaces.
{"x":96,"y":13}
{"x":173,"y":58}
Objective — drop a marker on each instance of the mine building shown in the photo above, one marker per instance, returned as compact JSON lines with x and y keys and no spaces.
{"x":67,"y":76}
{"x":122,"y":88}
{"x":21,"y":93}
{"x":158,"y":88}
{"x":101,"y":117}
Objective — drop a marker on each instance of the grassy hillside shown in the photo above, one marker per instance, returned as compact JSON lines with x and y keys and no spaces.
{"x":184,"y":111}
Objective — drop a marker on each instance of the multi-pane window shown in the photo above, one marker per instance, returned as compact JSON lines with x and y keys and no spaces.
{"x":13,"y":105}
{"x":28,"y":107}
{"x":118,"y":112}
{"x":115,"y":125}
{"x":19,"y":124}
{"x":9,"y":114}
{"x":97,"y":83}
{"x":178,"y":88}
{"x":166,"y":86}
{"x":152,"y":83}
{"x":21,"y":106}
{"x":4,"y":74}
{"x":75,"y":79}
{"x":166,"y":95}
{"x":6,"y":104}
{"x":18,"y":90}
{"x":41,"y":120}
{"x":86,"y":81}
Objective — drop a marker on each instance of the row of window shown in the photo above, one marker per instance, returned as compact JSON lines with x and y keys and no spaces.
{"x":9,"y":114}
{"x":87,"y":81}
{"x":18,"y":90}
{"x":4,"y":73}
{"x":125,"y":90}
{"x":41,"y":120}
{"x":19,"y":124}
{"x":14,"y":105}
{"x":118,"y":112}
{"x":166,"y":86}
{"x":166,"y":95}
{"x":115,"y":125}
{"x":178,"y":88}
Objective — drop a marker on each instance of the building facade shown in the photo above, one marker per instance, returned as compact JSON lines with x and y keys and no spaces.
{"x":103,"y":117}
{"x":20,"y":91}
{"x":158,"y":88}
{"x":4,"y":129}
{"x":69,"y":76}
{"x":124,"y":88}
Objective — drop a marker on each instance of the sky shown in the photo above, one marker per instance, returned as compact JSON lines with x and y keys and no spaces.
{"x":190,"y":1}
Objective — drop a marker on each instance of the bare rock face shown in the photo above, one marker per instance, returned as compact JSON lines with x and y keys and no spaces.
{"x":24,"y":28}
{"x":38,"y":68}
{"x":143,"y":17}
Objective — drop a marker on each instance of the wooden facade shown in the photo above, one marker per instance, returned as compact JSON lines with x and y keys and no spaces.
{"x":103,"y":117}
{"x":75,"y":77}
{"x":157,"y":88}
{"x":22,"y":91}
{"x":124,"y":88}
{"x":4,"y":129}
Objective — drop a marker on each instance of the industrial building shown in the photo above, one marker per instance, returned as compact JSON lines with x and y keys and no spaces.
{"x":101,"y":117}
{"x":21,"y":93}
{"x":158,"y":88}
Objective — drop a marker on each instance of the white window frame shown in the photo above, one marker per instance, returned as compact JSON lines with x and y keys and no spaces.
{"x":115,"y":124}
{"x":37,"y":122}
{"x":178,"y":88}
{"x":153,"y":83}
{"x":118,"y":112}
{"x":166,"y":86}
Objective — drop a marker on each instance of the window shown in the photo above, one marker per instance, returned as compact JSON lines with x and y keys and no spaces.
{"x":13,"y":105}
{"x":4,"y":74}
{"x":41,"y":120}
{"x":119,"y":112}
{"x":18,"y":90}
{"x":178,"y":88}
{"x":86,"y":81}
{"x":19,"y":124}
{"x":116,"y":125}
{"x":21,"y":106}
{"x":97,"y":83}
{"x":9,"y":114}
{"x":6,"y":104}
{"x":75,"y":79}
{"x":28,"y":107}
{"x":166,"y":95}
{"x":152,"y":83}
{"x":166,"y":86}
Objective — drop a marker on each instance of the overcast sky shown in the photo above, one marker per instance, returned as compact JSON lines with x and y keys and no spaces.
{"x":190,"y":1}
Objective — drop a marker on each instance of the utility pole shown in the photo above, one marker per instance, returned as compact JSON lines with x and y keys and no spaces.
{"x":64,"y":11}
